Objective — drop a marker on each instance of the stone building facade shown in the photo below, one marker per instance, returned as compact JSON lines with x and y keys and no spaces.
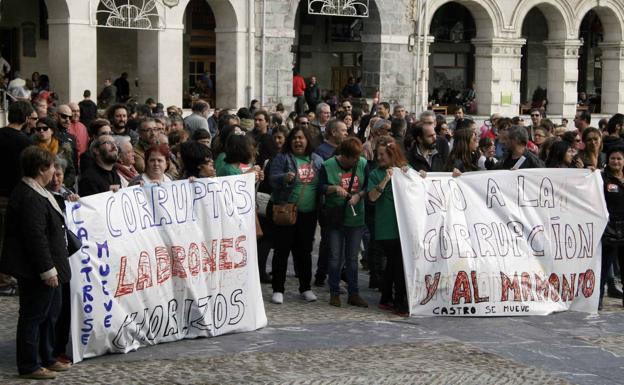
{"x":506,"y":48}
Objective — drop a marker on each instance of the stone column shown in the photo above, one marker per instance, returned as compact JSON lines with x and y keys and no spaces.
{"x":497,"y":75}
{"x":231,"y":63}
{"x":612,"y":77}
{"x":72,"y":58}
{"x":159,"y":65}
{"x":562,"y":76}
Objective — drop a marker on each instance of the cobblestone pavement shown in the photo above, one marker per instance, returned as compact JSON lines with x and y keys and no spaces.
{"x":314,"y":343}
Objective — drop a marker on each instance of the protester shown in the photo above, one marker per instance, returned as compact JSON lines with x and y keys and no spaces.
{"x":335,"y":133}
{"x":45,"y":137}
{"x":592,"y":155}
{"x":561,"y":155}
{"x":239,"y":157}
{"x":156,"y":165}
{"x":197,"y":160}
{"x":393,"y":292}
{"x":463,"y":156}
{"x":613,"y":238}
{"x":198,"y":119}
{"x":487,"y":150}
{"x":517,"y":156}
{"x":35,"y":252}
{"x":342,"y":180}
{"x":148,"y":136}
{"x":614,"y":129}
{"x":423,"y":155}
{"x":78,"y":130}
{"x":294,"y":179}
{"x":117,"y":114}
{"x":125,"y":161}
{"x":102,"y":175}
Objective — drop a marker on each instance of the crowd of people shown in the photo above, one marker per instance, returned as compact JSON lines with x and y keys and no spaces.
{"x":331,"y":167}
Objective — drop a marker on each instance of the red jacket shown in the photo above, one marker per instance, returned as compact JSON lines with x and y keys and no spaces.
{"x":299,"y":85}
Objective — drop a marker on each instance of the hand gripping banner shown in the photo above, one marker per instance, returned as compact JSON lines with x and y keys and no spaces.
{"x":501,"y":243}
{"x":161,"y":263}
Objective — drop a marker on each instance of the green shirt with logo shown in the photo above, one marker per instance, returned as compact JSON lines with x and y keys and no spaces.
{"x":386,"y":226}
{"x":337,"y":176}
{"x":306,"y":176}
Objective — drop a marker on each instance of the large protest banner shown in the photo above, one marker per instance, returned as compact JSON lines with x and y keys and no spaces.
{"x":501,"y":243}
{"x":161,"y":263}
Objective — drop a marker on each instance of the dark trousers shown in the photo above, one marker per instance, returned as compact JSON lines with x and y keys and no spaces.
{"x":300,"y":105}
{"x":394,"y":275}
{"x":265,"y":244}
{"x":609,"y":255}
{"x":323,"y":257}
{"x":39,"y":308}
{"x":61,"y":330}
{"x":297,"y":239}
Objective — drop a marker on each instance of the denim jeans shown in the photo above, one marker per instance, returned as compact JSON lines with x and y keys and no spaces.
{"x":344,"y":245}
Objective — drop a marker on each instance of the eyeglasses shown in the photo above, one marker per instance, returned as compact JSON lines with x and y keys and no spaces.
{"x":63,"y":116}
{"x":42,"y":128}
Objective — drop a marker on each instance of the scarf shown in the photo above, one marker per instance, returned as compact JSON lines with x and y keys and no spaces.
{"x":53,"y":147}
{"x":127,"y":172}
{"x":33,"y":184}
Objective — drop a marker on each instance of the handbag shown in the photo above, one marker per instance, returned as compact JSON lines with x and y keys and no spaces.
{"x":285,"y":214}
{"x":73,"y":242}
{"x":334,"y":216}
{"x":614,"y":233}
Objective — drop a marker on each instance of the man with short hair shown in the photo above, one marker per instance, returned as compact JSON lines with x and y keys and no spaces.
{"x":88,"y":109}
{"x":347,"y":107}
{"x":582,"y":120}
{"x":108,"y":95}
{"x":177,"y":123}
{"x":383,"y":110}
{"x":118,"y":117}
{"x":536,"y":120}
{"x":125,"y":160}
{"x":423,"y":154}
{"x":78,"y":129}
{"x":334,"y":135}
{"x":198,"y":120}
{"x":517,"y":155}
{"x":63,"y":134}
{"x":148,"y":135}
{"x":123,"y":88}
{"x":102,"y":176}
{"x":318,"y":125}
{"x":399,"y":112}
{"x":12,"y":142}
{"x":459,"y":113}
{"x":265,"y":149}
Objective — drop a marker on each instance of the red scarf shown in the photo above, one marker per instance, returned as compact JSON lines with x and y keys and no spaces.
{"x":128,"y":172}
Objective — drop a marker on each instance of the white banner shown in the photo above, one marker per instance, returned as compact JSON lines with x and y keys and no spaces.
{"x":164,"y":262}
{"x":501,"y":243}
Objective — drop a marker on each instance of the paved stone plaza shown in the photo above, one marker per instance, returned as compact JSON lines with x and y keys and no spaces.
{"x":313,"y":343}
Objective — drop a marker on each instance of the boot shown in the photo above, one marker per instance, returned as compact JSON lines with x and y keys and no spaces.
{"x":356,"y":300}
{"x":334,"y":300}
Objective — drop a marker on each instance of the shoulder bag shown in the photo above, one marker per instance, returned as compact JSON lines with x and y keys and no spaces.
{"x":285,"y":214}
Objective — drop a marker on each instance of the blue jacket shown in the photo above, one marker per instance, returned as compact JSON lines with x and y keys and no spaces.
{"x":281,"y":165}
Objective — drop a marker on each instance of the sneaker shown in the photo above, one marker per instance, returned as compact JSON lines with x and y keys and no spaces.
{"x":277,"y":298}
{"x":308,"y":295}
{"x":356,"y":300}
{"x":334,"y":300}
{"x":39,"y":374}
{"x":59,"y":367}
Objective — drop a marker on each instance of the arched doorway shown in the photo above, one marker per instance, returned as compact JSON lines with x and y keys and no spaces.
{"x":534,"y":64}
{"x":600,"y":63}
{"x":200,"y":71}
{"x":335,"y":48}
{"x":452,"y":54}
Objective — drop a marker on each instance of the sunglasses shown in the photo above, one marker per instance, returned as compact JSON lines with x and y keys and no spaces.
{"x":65,"y":116}
{"x":42,"y":128}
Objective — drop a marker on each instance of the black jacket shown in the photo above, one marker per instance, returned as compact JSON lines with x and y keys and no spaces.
{"x":35,"y":237}
{"x":531,"y":161}
{"x":614,"y":196}
{"x":438,"y":160}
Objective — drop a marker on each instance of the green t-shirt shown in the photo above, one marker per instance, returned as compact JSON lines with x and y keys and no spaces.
{"x":386,"y":226}
{"x":336,"y":176}
{"x":227,"y":169}
{"x":220,"y":161}
{"x":305,"y":174}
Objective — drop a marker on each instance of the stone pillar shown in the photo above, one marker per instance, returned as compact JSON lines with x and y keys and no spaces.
{"x":159,"y":65}
{"x":562,"y":59}
{"x":497,"y":75}
{"x":231,"y":54}
{"x":72,"y":58}
{"x":612,"y":77}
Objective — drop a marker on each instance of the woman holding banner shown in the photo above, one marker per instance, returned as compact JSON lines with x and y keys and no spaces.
{"x":239,"y":157}
{"x":343,"y":182}
{"x":294,"y":179}
{"x":35,"y":252}
{"x":389,"y":155}
{"x":464,"y":155}
{"x":613,"y":237}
